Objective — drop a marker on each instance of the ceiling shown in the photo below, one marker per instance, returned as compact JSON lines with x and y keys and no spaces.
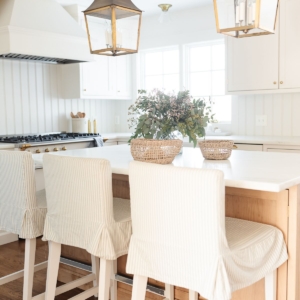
{"x":150,"y":7}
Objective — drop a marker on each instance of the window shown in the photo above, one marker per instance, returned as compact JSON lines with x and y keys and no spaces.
{"x":161,"y":69}
{"x":205,"y":76}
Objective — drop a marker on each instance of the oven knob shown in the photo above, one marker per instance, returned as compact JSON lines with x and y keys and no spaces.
{"x":55,"y":149}
{"x":38,"y":151}
{"x":47,"y":150}
{"x":64,"y":148}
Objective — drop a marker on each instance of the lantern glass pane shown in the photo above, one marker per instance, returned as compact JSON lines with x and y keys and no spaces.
{"x":226,"y":13}
{"x":127,"y":29}
{"x":99,"y":25}
{"x":268,"y":11}
{"x":238,"y":17}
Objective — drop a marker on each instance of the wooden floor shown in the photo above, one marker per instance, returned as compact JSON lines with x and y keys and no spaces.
{"x":12,"y":260}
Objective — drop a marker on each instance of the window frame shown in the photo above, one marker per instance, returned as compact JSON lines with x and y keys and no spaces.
{"x":142,"y":63}
{"x":184,"y":66}
{"x":187,"y":67}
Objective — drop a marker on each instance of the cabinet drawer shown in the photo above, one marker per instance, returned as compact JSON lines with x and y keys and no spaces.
{"x":249,"y":147}
{"x":283,"y":150}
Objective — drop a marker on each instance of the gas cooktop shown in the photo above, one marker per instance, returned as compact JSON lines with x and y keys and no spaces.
{"x":46,"y":138}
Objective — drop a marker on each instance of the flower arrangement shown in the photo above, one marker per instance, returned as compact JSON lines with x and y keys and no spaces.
{"x":158,"y":115}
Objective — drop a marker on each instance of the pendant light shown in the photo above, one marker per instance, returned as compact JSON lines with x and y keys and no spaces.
{"x":246,"y":18}
{"x":113,"y":27}
{"x":164,"y":16}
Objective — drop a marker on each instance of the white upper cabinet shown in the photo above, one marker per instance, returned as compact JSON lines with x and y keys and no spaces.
{"x":289,"y":44}
{"x":267,"y":64}
{"x":252,"y":63}
{"x":105,"y":78}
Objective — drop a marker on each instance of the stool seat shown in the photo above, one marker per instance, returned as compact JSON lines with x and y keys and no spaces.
{"x":122,"y":210}
{"x":255,"y":250}
{"x":41,"y":199}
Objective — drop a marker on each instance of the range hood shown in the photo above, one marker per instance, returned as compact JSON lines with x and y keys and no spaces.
{"x":41,"y":31}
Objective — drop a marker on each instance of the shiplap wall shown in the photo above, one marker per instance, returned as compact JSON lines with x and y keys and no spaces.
{"x":282,"y":111}
{"x":30,"y":103}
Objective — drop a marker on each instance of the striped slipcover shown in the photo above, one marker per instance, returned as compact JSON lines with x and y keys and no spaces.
{"x":22,"y":210}
{"x":181,"y":236}
{"x":81,"y":209}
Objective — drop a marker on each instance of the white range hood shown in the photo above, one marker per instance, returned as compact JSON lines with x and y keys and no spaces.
{"x":41,"y":30}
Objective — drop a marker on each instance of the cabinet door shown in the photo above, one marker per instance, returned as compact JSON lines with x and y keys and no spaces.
{"x":121,"y":72}
{"x":289,"y":44}
{"x":95,"y":78}
{"x":252,"y":63}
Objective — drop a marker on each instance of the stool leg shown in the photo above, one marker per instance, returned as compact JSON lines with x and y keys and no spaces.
{"x":104,"y":280}
{"x":95,"y":270}
{"x":139,"y":287}
{"x":52,"y":271}
{"x":114,"y":283}
{"x":271,"y":285}
{"x":30,"y":246}
{"x":193,"y":295}
{"x":169,"y":291}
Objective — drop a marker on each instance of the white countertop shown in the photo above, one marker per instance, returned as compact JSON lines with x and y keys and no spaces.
{"x":6,"y":146}
{"x":260,"y":140}
{"x":263,"y":171}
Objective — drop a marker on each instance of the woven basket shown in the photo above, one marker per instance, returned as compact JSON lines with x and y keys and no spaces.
{"x":216,"y":150}
{"x":155,"y":151}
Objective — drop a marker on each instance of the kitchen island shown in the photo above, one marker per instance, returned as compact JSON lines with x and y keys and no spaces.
{"x":260,"y":186}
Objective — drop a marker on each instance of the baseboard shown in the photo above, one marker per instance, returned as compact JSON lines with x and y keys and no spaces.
{"x":7,"y":237}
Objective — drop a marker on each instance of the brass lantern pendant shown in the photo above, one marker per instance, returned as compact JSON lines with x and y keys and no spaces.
{"x":246,"y":18}
{"x":113,"y":27}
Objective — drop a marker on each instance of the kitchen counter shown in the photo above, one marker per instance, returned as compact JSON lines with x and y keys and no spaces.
{"x":264,"y":171}
{"x":260,"y":186}
{"x":4,"y":146}
{"x":238,"y":139}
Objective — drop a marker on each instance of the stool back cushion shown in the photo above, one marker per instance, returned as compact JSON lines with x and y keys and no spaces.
{"x":19,"y":212}
{"x":80,"y":203}
{"x":178,"y":223}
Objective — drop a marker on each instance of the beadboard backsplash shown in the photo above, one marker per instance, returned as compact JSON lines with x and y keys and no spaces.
{"x":282,"y":111}
{"x":30,"y":103}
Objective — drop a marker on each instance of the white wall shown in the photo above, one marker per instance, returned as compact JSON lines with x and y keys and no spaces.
{"x":29,"y":102}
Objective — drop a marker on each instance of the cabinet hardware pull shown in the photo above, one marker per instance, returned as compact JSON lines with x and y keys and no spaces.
{"x":38,"y":151}
{"x":281,"y":82}
{"x":47,"y":150}
{"x":275,"y":82}
{"x":64,"y":148}
{"x":235,"y":147}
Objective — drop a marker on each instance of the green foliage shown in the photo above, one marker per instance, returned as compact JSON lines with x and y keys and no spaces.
{"x":157,"y":115}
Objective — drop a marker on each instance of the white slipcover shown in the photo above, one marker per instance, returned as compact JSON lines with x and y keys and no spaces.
{"x":181,"y":236}
{"x":22,"y":210}
{"x":81,"y":209}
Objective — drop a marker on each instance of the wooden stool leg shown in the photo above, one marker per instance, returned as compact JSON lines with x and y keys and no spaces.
{"x":139,"y":287}
{"x":30,"y":246}
{"x":193,"y":295}
{"x":95,"y":270}
{"x":270,"y":286}
{"x":114,"y":283}
{"x":104,"y":280}
{"x":169,"y":291}
{"x":52,"y":271}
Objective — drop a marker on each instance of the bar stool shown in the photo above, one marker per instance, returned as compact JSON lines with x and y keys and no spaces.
{"x":22,"y":211}
{"x":181,"y":236}
{"x":83,"y":213}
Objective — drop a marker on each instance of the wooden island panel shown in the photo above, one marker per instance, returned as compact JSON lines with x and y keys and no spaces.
{"x":277,"y":209}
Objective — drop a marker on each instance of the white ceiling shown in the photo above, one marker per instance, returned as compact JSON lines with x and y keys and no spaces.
{"x":150,"y":7}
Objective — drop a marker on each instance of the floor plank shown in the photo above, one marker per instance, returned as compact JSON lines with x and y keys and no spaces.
{"x":12,"y":260}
